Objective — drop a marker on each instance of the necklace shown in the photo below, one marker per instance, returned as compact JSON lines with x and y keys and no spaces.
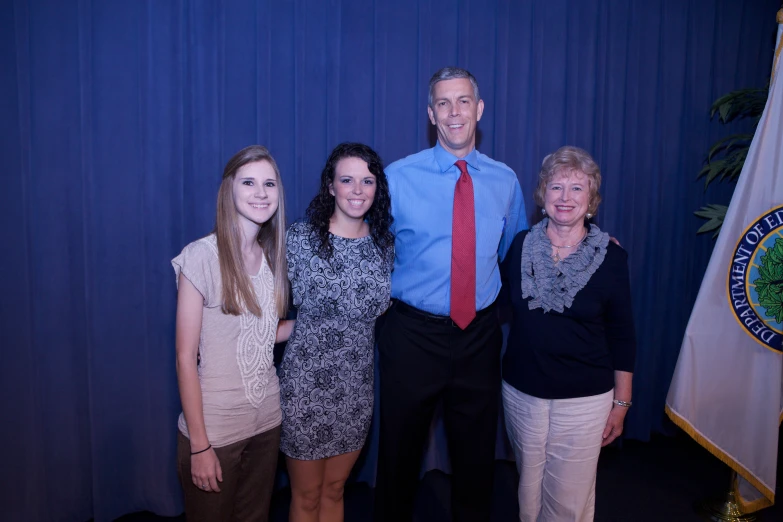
{"x":556,"y":258}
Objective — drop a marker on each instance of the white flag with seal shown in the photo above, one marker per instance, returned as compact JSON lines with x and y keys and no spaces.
{"x":727,"y":389}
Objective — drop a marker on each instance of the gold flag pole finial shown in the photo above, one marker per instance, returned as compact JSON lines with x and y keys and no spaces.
{"x":779,"y":19}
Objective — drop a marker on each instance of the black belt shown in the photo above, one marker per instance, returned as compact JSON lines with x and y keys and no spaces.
{"x":410,"y":311}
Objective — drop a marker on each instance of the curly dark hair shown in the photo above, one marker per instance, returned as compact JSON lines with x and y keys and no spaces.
{"x":321,"y":208}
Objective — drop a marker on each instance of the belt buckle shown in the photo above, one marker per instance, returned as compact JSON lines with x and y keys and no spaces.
{"x":444,"y":320}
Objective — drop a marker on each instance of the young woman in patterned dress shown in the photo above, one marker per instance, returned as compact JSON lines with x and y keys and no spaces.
{"x":232,"y":288}
{"x":339,"y":264}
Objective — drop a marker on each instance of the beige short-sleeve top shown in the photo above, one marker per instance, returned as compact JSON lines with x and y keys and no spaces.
{"x":239,"y":386}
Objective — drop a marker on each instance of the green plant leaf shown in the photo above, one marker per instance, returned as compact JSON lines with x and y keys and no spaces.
{"x":712,"y":210}
{"x":729,"y":142}
{"x":715,"y":214}
{"x":709,"y":226}
{"x":727,"y":156}
{"x":742,"y":103}
{"x":716,"y":168}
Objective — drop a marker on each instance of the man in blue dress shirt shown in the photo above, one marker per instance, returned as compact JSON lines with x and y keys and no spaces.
{"x":425,"y":357}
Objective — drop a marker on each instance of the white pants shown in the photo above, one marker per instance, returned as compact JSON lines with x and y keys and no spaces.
{"x":556,"y":445}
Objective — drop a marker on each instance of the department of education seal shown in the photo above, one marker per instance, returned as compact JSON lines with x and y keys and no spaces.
{"x":755,"y":283}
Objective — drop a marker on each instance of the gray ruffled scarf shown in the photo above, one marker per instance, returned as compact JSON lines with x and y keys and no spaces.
{"x":553,"y":286}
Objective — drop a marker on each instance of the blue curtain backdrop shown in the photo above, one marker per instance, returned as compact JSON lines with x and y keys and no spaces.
{"x":117,"y":117}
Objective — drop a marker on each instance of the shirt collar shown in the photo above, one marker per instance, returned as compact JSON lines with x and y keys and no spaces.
{"x":446,"y":159}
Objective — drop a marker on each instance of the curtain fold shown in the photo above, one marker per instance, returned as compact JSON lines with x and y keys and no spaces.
{"x":117,"y":117}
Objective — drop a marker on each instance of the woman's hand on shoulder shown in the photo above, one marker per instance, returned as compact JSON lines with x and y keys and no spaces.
{"x":614,"y":424}
{"x":205,"y":470}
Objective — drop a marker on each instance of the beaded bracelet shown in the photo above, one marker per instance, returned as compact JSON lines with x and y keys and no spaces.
{"x":622,"y":403}
{"x":202,"y":451}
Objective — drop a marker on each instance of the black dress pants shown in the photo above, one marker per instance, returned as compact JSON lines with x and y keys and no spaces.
{"x":425,"y":359}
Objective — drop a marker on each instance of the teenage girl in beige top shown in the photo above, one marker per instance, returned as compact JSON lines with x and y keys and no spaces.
{"x":232,"y":289}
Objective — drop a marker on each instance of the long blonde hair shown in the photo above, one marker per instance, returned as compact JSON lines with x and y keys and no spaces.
{"x":238,"y":293}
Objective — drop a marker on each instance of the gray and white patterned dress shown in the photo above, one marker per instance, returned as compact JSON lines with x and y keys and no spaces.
{"x":326,"y":376}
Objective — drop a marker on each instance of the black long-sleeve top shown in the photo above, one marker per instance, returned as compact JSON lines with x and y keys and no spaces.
{"x":554,"y":355}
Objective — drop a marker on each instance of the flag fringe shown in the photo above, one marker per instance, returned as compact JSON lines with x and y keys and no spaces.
{"x":749,"y":507}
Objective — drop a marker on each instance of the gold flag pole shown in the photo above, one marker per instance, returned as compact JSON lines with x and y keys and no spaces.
{"x":778,"y":19}
{"x":726,"y":509}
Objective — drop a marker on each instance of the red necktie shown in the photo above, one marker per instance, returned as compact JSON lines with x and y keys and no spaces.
{"x":463,"y":251}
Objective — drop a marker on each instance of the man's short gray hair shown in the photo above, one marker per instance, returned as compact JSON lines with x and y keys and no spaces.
{"x":451,"y":73}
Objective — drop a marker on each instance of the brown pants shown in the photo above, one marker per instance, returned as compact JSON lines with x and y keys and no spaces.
{"x":248,"y":467}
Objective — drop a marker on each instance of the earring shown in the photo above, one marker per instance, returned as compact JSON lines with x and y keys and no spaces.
{"x":543,"y":211}
{"x":589,"y":215}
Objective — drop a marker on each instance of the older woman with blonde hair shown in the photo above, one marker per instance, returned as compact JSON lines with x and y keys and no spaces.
{"x":568,"y":366}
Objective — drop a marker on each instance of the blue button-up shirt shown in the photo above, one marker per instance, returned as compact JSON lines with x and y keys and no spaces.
{"x":422,"y":194}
